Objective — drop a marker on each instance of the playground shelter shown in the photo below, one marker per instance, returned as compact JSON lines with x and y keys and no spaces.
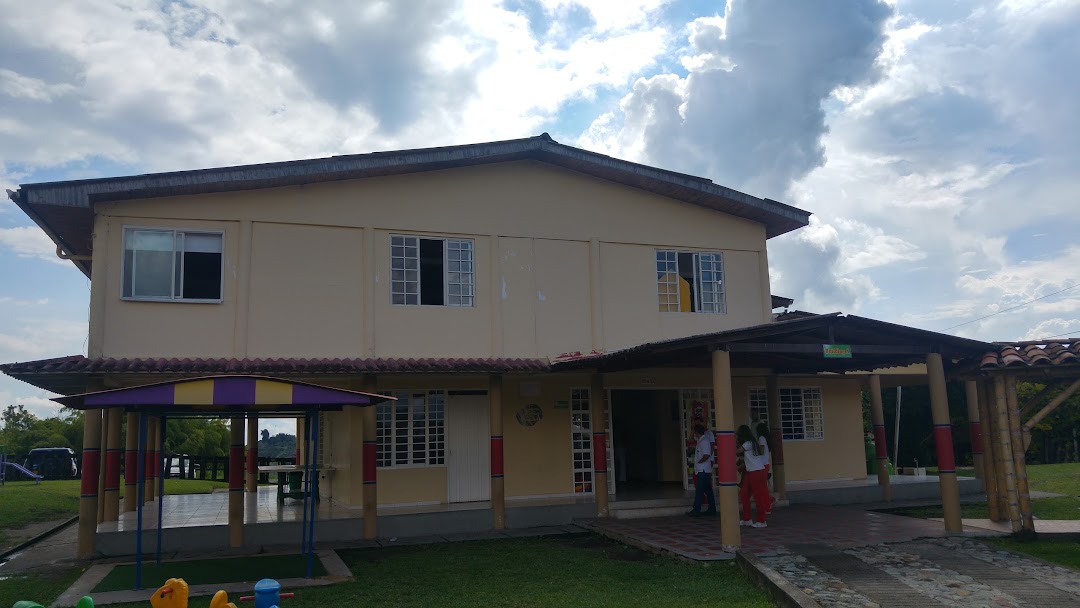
{"x":239,"y":398}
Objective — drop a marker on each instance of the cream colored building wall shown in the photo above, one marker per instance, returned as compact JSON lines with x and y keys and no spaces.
{"x":537,"y":459}
{"x":307,"y":268}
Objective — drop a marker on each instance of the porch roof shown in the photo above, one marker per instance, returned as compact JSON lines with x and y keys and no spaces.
{"x":225,"y":394}
{"x":792,"y":346}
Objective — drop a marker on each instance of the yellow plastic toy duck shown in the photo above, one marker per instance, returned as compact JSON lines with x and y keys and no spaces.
{"x":174,"y":594}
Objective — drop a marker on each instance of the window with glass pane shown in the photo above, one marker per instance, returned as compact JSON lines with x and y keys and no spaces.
{"x":581,"y":440}
{"x":431,"y":272}
{"x":758,"y":405}
{"x":801,"y":413}
{"x":690,"y":282}
{"x":410,"y":431}
{"x":172,"y":265}
{"x":667,"y":280}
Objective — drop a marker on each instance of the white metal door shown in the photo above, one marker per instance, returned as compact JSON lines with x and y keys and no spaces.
{"x":468,"y":455}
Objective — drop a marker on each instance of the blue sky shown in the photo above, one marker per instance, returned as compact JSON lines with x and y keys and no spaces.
{"x":933,"y":140}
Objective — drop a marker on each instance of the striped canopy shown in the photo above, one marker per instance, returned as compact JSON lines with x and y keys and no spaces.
{"x":225,"y":393}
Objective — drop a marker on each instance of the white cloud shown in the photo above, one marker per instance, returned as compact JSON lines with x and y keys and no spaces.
{"x":29,"y":242}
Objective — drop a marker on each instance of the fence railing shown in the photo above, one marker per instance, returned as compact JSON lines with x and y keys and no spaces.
{"x":213,"y":468}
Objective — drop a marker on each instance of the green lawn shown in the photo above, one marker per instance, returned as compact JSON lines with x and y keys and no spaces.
{"x":41,"y":587}
{"x":1062,"y":551}
{"x":207,"y":571}
{"x":580,"y":570}
{"x":24,"y":502}
{"x":1057,"y":478}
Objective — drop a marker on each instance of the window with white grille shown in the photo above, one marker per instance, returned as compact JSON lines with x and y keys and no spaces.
{"x":581,"y":436}
{"x":801,"y":414}
{"x":690,"y":282}
{"x":411,"y":430}
{"x":431,"y":272}
{"x":758,"y":405}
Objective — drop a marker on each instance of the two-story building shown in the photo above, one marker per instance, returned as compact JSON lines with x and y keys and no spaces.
{"x":494,"y":289}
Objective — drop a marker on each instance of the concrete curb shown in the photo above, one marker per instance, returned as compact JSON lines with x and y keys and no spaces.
{"x":638,"y":544}
{"x":336,"y":572}
{"x":779,"y":588}
{"x":38,"y":538}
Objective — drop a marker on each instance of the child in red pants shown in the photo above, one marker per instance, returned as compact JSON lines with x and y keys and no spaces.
{"x":755,"y":481}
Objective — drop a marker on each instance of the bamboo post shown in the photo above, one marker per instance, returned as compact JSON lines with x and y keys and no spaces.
{"x":1002,"y":497}
{"x":236,"y":482}
{"x":946,"y":458}
{"x":989,"y":477}
{"x":495,"y":426}
{"x":971,"y":389}
{"x":1045,"y":411}
{"x":1005,"y":442}
{"x":370,"y":495}
{"x":88,"y":495}
{"x":772,"y":388}
{"x":1019,"y":455}
{"x":879,"y":438}
{"x":724,"y":415}
{"x":599,"y":445}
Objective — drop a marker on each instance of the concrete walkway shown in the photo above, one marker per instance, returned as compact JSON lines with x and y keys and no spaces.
{"x":952,"y":571}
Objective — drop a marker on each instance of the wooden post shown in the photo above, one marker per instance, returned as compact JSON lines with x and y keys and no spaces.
{"x":88,"y":493}
{"x":939,"y":410}
{"x":103,"y":464}
{"x":131,"y":462}
{"x":724,"y":415}
{"x":498,"y":486}
{"x":236,"y":482}
{"x":1001,"y":423}
{"x":1019,"y":459}
{"x":971,"y":389}
{"x":599,"y":433}
{"x":252,"y":453}
{"x":370,"y":496}
{"x":148,"y":461}
{"x":879,"y":438}
{"x":989,"y":475}
{"x":772,"y":391}
{"x":112,"y":465}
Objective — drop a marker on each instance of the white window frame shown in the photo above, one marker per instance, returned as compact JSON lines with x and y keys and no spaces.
{"x":581,"y":441}
{"x":710,"y":297}
{"x":172,"y":283}
{"x":387,"y":431}
{"x":757,"y":402}
{"x":400,"y":287}
{"x":803,"y":420}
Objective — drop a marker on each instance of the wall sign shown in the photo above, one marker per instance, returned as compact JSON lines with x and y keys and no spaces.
{"x":529,"y":415}
{"x":836,"y":351}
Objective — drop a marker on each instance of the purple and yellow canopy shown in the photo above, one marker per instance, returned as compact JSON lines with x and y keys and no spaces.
{"x":225,"y":393}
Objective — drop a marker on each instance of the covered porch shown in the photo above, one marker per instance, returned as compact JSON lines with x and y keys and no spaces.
{"x":810,"y":346}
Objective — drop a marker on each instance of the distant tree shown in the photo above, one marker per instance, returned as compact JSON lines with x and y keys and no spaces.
{"x":23,"y":431}
{"x":281,"y":445}
{"x":265,"y":435}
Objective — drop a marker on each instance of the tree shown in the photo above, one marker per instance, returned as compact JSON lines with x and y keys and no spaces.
{"x":23,"y":431}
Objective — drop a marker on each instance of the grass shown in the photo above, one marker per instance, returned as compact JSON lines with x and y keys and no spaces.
{"x":1061,"y":551}
{"x":208,"y":571}
{"x":1057,"y":478}
{"x":581,"y":570}
{"x":24,"y":502}
{"x":41,"y":587}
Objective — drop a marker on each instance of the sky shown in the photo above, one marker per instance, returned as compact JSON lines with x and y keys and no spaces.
{"x":933,"y":140}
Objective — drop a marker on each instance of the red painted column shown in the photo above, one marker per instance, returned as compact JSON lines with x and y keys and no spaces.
{"x":88,"y":490}
{"x":598,"y":415}
{"x":971,"y":389}
{"x":939,"y":410}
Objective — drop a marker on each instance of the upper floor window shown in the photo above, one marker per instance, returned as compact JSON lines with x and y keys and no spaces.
{"x":690,"y":282}
{"x":435,"y":272}
{"x":172,"y":264}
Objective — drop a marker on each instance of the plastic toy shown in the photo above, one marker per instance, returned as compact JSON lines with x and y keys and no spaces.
{"x":173,"y":594}
{"x":267,"y":594}
{"x":85,"y":602}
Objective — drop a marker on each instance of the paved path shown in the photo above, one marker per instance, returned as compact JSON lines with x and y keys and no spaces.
{"x":56,"y":550}
{"x":931,"y":572}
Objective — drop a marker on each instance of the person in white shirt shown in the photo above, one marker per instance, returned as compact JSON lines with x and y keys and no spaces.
{"x":703,"y":466}
{"x":765,"y":443}
{"x":754,"y":482}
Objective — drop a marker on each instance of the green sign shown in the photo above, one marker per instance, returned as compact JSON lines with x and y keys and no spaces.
{"x":562,"y":405}
{"x":836,"y":351}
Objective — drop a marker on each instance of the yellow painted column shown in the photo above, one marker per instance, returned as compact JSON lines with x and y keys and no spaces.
{"x":971,"y":389}
{"x":112,"y":464}
{"x":131,"y":462}
{"x":236,"y":482}
{"x":88,"y":494}
{"x":498,"y":492}
{"x":724,"y":415}
{"x":371,"y":449}
{"x":989,"y":474}
{"x":939,"y":409}
{"x":252,"y":453}
{"x":779,"y":475}
{"x":879,"y":438}
{"x":1023,"y":494}
{"x":600,"y":438}
{"x":1007,"y":481}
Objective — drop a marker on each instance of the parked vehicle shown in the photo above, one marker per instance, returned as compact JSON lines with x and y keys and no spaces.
{"x":53,"y":463}
{"x":191,"y":468}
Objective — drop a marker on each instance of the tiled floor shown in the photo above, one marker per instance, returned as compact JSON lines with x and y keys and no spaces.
{"x":699,"y":537}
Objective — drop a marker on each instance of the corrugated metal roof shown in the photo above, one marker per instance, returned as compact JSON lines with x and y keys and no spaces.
{"x":64,"y":210}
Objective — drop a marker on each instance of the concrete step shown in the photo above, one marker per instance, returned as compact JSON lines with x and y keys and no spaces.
{"x":643,"y":512}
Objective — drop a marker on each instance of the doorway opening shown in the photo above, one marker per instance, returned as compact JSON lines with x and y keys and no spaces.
{"x":646,"y":428}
